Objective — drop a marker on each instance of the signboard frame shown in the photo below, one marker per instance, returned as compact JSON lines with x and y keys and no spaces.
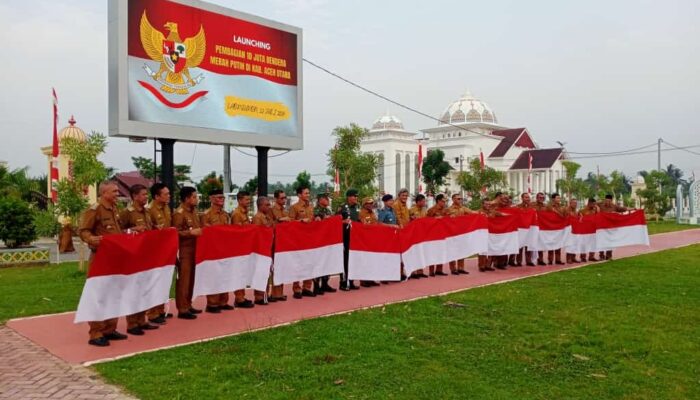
{"x":121,"y":126}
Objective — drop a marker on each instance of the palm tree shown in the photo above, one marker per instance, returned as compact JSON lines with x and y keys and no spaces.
{"x":16,"y":183}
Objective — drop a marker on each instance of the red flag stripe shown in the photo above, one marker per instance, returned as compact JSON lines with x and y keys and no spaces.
{"x":127,"y":254}
{"x":294,"y":236}
{"x":605,"y":220}
{"x":226,"y":241}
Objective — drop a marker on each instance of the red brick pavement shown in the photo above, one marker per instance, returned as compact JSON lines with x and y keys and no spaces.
{"x":27,"y":371}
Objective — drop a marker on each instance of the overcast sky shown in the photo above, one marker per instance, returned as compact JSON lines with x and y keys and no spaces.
{"x":598,"y":75}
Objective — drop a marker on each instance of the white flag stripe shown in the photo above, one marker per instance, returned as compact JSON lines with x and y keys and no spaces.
{"x":373,"y":266}
{"x":293,"y":266}
{"x":503,"y":243}
{"x":467,"y":244}
{"x":229,"y":274}
{"x":554,"y":239}
{"x":581,"y":243}
{"x":623,"y":236}
{"x":124,"y":294}
{"x":423,"y":254}
{"x":529,"y":237}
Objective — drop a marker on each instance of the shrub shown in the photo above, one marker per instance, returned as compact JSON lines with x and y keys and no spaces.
{"x":16,"y":223}
{"x":46,"y":223}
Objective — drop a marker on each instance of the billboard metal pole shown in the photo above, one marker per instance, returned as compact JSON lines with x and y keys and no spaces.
{"x":262,"y":170}
{"x":167,"y":170}
{"x":227,"y":168}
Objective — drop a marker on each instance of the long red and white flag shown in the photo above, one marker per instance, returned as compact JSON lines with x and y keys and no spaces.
{"x":308,"y":250}
{"x":375,"y":253}
{"x":232,"y":257}
{"x":466,"y":235}
{"x":127,"y":276}
{"x":503,"y":235}
{"x":582,"y":239}
{"x":617,"y":230}
{"x":423,"y":243}
{"x":54,"y":150}
{"x":554,"y":230}
{"x":528,"y":230}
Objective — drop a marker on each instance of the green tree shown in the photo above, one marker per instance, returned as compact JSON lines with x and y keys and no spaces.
{"x":145,"y":167}
{"x":303,"y":180}
{"x":17,"y":183}
{"x":71,"y":199}
{"x":656,"y":200}
{"x":356,"y":169}
{"x":251,"y":186}
{"x":480,"y":183}
{"x":210,"y":182}
{"x":16,"y":222}
{"x":570,"y":184}
{"x":87,"y":168}
{"x":434,"y":170}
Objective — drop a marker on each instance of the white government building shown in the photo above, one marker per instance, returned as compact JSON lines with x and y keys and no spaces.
{"x":467,"y":127}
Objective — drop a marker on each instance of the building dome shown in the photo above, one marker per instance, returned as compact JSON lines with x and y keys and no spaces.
{"x":468,"y":109}
{"x":72,"y":131}
{"x":387,"y":122}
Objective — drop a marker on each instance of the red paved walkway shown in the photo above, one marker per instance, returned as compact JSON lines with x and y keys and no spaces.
{"x":68,"y":341}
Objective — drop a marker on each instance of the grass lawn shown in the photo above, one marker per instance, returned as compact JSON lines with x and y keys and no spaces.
{"x":667,"y":226}
{"x":626,"y":329}
{"x":26,"y":291}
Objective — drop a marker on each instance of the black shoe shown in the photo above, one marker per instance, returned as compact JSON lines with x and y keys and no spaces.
{"x":422,"y":275}
{"x":168,"y":315}
{"x":99,"y":342}
{"x":160,"y":320}
{"x":328,"y":289}
{"x":226,"y":307}
{"x":454,"y":272}
{"x":354,"y":287}
{"x":501,"y":266}
{"x":403,"y":277}
{"x":530,"y":264}
{"x":463,"y":272}
{"x":213,"y":309}
{"x":297,"y":295}
{"x":261,"y":302}
{"x":148,"y":327}
{"x":186,"y":315}
{"x":559,"y":263}
{"x":308,"y":293}
{"x":135,"y":331}
{"x":440,"y":273}
{"x":244,"y":304}
{"x":319,"y":292}
{"x":195,"y":310}
{"x":431,"y":274}
{"x":365,"y":284}
{"x":115,"y":336}
{"x":541,"y":263}
{"x":344,"y":288}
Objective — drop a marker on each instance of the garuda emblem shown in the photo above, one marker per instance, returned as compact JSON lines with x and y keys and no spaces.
{"x":175,"y":56}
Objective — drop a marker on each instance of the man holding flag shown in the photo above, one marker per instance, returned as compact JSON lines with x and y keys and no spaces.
{"x":216,"y":215}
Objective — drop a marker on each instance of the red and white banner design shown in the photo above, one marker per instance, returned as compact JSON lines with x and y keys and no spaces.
{"x":308,"y":250}
{"x":554,"y":230}
{"x":582,"y":238}
{"x":232,"y":257}
{"x":127,"y":275}
{"x":617,"y":230}
{"x":423,"y":243}
{"x":503,"y":235}
{"x":466,"y":235}
{"x":375,"y":253}
{"x":54,"y":150}
{"x":528,"y":230}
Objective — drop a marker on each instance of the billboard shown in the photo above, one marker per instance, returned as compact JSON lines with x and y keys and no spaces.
{"x":197,"y":72}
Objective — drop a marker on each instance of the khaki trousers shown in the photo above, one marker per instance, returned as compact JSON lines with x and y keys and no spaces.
{"x":185,"y":279}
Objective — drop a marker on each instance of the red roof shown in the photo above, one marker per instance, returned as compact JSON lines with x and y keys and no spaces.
{"x":541,"y":158}
{"x":518,"y":136}
{"x":127,"y":179}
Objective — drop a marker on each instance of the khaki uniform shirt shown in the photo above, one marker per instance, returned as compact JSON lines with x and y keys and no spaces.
{"x":184,"y":220}
{"x":539,"y":206}
{"x":403,"y":215}
{"x":160,"y":215}
{"x":436,"y":211}
{"x":215,"y":217}
{"x":240,"y":216}
{"x":100,"y":219}
{"x":457,"y":211}
{"x":572,"y":212}
{"x":300,"y":211}
{"x":417,"y":212}
{"x":556,"y":208}
{"x":368,"y":217}
{"x":278,"y":212}
{"x":588,"y":211}
{"x":131,"y":217}
{"x":612,"y":208}
{"x":263,"y":219}
{"x":525,"y":206}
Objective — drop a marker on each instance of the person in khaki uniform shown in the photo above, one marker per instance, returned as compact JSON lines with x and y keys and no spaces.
{"x":239,"y":216}
{"x":610,"y":207}
{"x":488,"y":209}
{"x":439,"y":210}
{"x":279,"y":214}
{"x":540,"y":206}
{"x":590,"y":209}
{"x":572,"y":210}
{"x":137,"y":219}
{"x":161,"y":218}
{"x":457,"y":209}
{"x":302,"y":211}
{"x":525,"y":204}
{"x":554,"y":256}
{"x":321,"y":212}
{"x":264,"y":218}
{"x":418,"y":210}
{"x":216,"y":215}
{"x":99,"y":220}
{"x":188,"y":226}
{"x":368,"y":217}
{"x":403,"y":215}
